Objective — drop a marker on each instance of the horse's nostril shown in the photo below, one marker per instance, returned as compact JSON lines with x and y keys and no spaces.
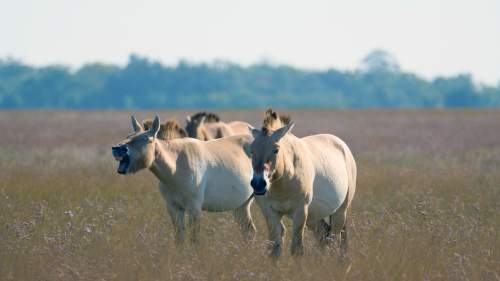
{"x":252,"y":183}
{"x":255,"y":183}
{"x":259,"y":186}
{"x":120,"y":150}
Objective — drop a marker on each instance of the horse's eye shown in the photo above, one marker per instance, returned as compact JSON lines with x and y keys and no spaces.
{"x":276,"y":150}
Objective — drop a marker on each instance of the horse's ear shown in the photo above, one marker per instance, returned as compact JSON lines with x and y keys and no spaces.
{"x":188,"y":118}
{"x":281,"y":132}
{"x":135,"y":125}
{"x":155,"y":127}
{"x":202,"y":120}
{"x":255,"y":132}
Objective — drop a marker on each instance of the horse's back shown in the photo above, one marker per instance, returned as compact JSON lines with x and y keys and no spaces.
{"x":240,"y":127}
{"x":217,"y":130}
{"x":331,"y":159}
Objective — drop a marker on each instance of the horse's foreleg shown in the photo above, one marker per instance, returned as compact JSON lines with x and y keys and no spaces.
{"x":276,"y":232}
{"x":299,"y":222}
{"x":177,"y":215}
{"x":195,"y":225}
{"x":243,"y":217}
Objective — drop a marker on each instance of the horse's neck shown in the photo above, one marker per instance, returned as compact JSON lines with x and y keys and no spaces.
{"x":164,"y":166}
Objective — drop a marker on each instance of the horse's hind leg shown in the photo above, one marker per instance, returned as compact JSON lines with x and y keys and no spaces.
{"x":243,"y":217}
{"x":338,"y":222}
{"x":343,"y":240}
{"x":321,"y":230}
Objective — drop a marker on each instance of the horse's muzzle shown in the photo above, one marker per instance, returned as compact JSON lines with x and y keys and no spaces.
{"x":259,"y":185}
{"x":120,"y":153}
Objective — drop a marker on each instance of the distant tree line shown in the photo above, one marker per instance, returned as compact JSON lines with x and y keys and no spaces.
{"x":143,"y":83}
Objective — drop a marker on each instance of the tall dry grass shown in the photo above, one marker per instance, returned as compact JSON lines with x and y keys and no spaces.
{"x":427,"y":204}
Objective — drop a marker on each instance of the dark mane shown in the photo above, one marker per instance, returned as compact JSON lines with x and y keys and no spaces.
{"x":273,"y":121}
{"x":210,"y":117}
{"x":285,"y":119}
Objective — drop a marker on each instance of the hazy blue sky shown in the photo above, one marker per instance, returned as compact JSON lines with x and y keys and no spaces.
{"x":429,"y":37}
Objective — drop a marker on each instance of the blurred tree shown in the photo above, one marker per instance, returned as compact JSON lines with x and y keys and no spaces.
{"x":143,"y":83}
{"x":379,"y":61}
{"x":458,"y":91}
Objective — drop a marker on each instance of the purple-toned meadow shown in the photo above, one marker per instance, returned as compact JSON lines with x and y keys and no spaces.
{"x":427,"y":204}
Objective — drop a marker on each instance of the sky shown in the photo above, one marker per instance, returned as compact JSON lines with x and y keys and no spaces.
{"x":428,"y":37}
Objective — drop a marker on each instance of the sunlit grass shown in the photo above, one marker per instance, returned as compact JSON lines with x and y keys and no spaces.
{"x":418,"y":215}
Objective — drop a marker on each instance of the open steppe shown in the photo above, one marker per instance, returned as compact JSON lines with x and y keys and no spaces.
{"x":427,"y":205}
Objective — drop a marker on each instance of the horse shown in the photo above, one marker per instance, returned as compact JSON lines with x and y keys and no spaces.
{"x":194,"y":176}
{"x":207,"y":126}
{"x":308,"y":179}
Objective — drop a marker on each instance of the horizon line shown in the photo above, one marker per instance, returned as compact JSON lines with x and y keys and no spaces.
{"x":263,"y":60}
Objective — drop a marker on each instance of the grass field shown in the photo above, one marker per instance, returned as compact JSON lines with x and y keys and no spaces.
{"x":427,"y":205}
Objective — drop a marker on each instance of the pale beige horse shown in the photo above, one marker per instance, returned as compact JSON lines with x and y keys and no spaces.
{"x":194,"y":175}
{"x":207,"y":126}
{"x":311,"y":180}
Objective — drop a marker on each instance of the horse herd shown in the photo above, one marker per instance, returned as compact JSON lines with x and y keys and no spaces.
{"x":216,"y":166}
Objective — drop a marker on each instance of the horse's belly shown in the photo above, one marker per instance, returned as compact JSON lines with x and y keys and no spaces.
{"x":226,"y":194}
{"x":328,"y":196}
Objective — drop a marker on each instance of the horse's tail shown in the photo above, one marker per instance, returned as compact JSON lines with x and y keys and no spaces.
{"x":351,"y":174}
{"x":338,"y":219}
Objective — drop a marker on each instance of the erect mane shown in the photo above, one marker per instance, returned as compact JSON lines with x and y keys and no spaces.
{"x":210,"y":117}
{"x":168,"y":130}
{"x":146,"y":123}
{"x":274,"y":121}
{"x":172,"y":125}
